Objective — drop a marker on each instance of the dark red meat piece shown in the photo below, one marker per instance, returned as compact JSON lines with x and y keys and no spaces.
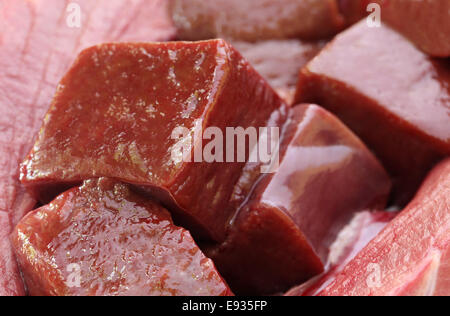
{"x":103,"y":239}
{"x":115,"y":113}
{"x":425,"y":22}
{"x":36,"y":48}
{"x":280,"y":61}
{"x":282,"y":234}
{"x":392,"y":95}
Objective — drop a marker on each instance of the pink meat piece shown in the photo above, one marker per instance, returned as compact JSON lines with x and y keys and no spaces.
{"x":411,"y":256}
{"x":10,"y":280}
{"x":36,"y":48}
{"x":255,"y":20}
{"x":351,"y":240}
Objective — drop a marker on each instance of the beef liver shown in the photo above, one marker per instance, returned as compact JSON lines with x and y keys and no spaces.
{"x":282,"y":234}
{"x":10,"y":280}
{"x":36,"y":48}
{"x":426,"y":23}
{"x":253,"y":20}
{"x":411,"y":255}
{"x":117,"y":108}
{"x":104,"y":239}
{"x":280,"y":61}
{"x":391,"y":94}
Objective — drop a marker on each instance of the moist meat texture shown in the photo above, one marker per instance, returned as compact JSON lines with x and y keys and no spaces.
{"x":425,"y":22}
{"x":396,"y":98}
{"x":37,"y":48}
{"x":11,"y":283}
{"x":137,"y":112}
{"x":411,"y":256}
{"x":103,"y":239}
{"x":353,"y":238}
{"x":281,"y":236}
{"x":253,"y":20}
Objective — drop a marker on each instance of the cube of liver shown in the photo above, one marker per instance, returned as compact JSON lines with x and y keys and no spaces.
{"x":115,"y":112}
{"x":282,"y":235}
{"x":411,"y":256}
{"x":390,"y":94}
{"x":426,"y":23}
{"x":254,"y":20}
{"x":11,"y":283}
{"x":104,"y":239}
{"x":280,"y":61}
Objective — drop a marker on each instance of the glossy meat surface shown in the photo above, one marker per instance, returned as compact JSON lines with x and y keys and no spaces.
{"x":36,"y":49}
{"x":254,"y":20}
{"x":364,"y":227}
{"x":282,"y":234}
{"x":116,"y":111}
{"x":411,"y":255}
{"x":37,"y":46}
{"x":11,"y":283}
{"x":425,"y":22}
{"x":391,"y":94}
{"x":103,"y":239}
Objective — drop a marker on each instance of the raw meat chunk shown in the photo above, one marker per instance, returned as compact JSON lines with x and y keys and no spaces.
{"x":411,"y":256}
{"x":37,"y":46}
{"x":104,"y":239}
{"x":253,"y":20}
{"x":282,"y":234}
{"x":425,"y":22}
{"x":389,"y":93}
{"x":364,"y":227}
{"x":119,"y":112}
{"x":279,"y":62}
